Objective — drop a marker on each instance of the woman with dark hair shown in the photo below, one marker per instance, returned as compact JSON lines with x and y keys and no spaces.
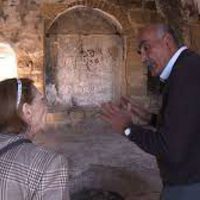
{"x":27,"y":170}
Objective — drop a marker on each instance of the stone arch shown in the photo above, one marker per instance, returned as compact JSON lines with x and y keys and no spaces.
{"x":85,"y":24}
{"x":52,"y":11}
{"x":110,"y":20}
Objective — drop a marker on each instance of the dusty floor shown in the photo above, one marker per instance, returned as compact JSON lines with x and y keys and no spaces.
{"x":101,"y":159}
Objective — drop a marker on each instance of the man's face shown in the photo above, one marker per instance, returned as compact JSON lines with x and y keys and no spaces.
{"x":153,"y":50}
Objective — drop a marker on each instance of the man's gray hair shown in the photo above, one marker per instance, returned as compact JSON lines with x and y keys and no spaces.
{"x":165,"y":28}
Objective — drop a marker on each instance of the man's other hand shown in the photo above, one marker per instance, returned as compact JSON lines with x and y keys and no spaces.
{"x":118,"y":117}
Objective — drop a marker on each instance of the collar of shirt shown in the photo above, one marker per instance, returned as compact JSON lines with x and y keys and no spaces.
{"x":168,"y":68}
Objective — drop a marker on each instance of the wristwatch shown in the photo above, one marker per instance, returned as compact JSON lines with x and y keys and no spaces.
{"x":127,"y":131}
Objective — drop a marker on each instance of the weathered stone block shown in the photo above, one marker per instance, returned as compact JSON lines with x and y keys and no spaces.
{"x":143,"y":16}
{"x":194,"y":37}
{"x":76,"y":117}
{"x":150,"y":5}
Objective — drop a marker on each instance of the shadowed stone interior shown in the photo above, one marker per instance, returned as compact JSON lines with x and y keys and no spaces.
{"x":102,"y":160}
{"x":96,"y":194}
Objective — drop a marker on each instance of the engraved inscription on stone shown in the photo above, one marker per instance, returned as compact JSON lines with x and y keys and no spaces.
{"x":87,"y":67}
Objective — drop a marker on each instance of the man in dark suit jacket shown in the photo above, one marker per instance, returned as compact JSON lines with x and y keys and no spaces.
{"x":176,"y":140}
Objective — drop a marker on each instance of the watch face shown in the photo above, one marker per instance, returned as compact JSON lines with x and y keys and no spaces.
{"x":127,"y":131}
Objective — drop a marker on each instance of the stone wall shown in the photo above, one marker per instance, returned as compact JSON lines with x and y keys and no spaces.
{"x":23,"y":23}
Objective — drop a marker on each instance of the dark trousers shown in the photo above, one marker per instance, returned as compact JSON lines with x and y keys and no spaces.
{"x":184,"y":192}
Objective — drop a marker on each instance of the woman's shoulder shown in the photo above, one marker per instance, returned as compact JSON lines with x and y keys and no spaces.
{"x":28,"y":153}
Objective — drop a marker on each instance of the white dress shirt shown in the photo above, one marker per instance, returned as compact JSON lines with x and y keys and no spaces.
{"x":168,"y":68}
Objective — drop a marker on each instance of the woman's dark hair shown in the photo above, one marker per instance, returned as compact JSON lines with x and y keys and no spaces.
{"x":10,"y":113}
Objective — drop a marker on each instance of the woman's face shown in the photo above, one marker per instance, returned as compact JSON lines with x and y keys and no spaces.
{"x":35,"y":113}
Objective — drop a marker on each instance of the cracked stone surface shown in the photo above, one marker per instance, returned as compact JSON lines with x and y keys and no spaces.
{"x":101,"y":159}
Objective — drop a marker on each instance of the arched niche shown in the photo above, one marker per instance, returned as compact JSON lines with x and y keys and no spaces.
{"x":84,"y":49}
